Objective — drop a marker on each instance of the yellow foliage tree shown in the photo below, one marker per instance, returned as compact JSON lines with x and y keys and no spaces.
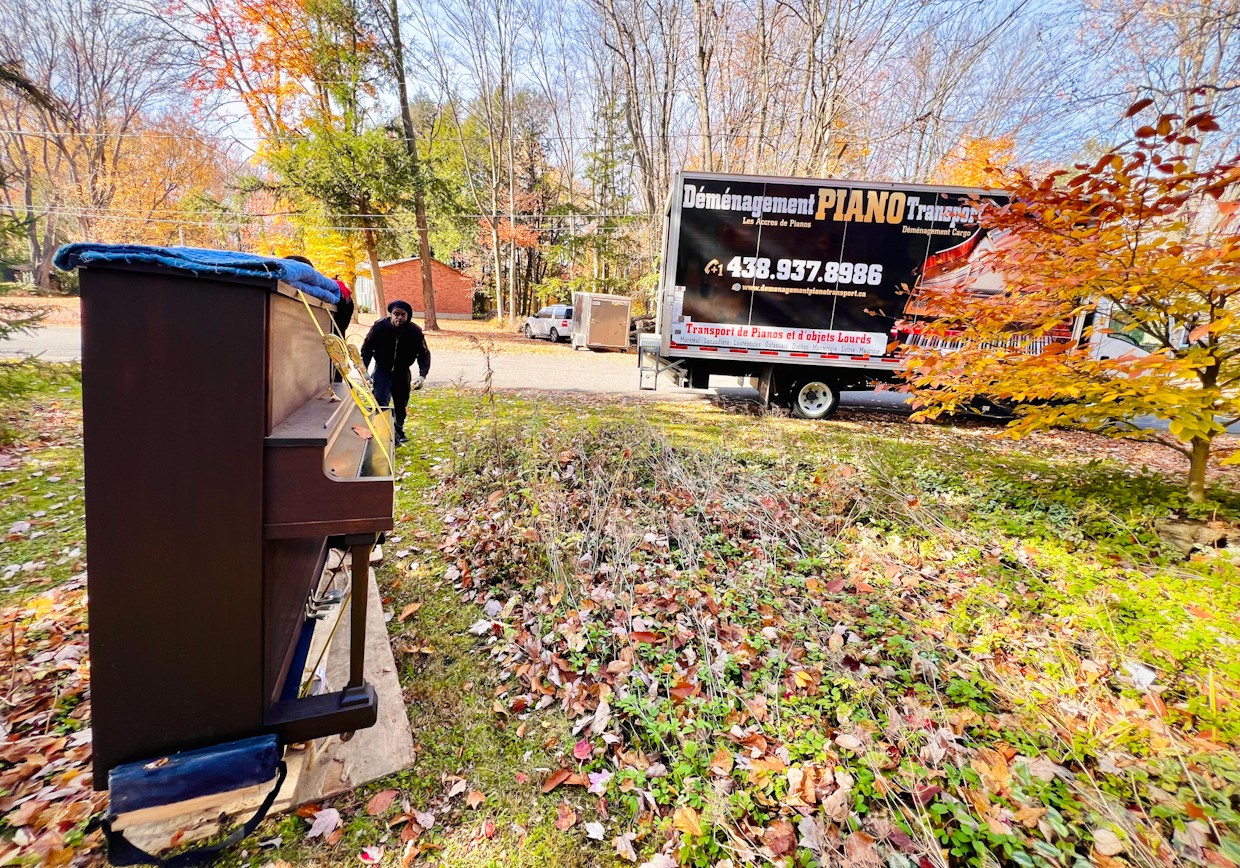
{"x":158,"y":170}
{"x":334,"y":253}
{"x":974,"y":162}
{"x":1134,"y":238}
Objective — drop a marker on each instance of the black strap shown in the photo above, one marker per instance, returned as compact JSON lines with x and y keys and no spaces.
{"x":122,"y":852}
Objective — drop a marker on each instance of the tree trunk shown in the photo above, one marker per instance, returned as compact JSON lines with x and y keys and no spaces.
{"x":1197,"y":469}
{"x":429,"y":321}
{"x":372,"y":253}
{"x":704,"y":52}
{"x":499,"y":277}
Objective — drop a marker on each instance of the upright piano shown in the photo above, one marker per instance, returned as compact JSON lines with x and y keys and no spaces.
{"x":222,"y":465}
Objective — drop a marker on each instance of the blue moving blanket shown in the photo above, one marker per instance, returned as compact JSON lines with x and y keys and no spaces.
{"x":202,"y":262}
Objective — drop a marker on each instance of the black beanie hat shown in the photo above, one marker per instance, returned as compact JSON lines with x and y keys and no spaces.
{"x":402,"y":304}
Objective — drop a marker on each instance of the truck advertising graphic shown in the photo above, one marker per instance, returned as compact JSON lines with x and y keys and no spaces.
{"x":823,"y":267}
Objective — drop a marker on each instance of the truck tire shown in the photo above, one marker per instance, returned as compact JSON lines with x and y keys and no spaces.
{"x":814,"y":399}
{"x":529,"y":333}
{"x":554,"y":336}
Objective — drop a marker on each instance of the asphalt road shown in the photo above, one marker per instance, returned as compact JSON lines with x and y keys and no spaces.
{"x":50,"y":343}
{"x":563,"y":371}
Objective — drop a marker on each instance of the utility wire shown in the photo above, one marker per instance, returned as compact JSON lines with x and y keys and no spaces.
{"x":142,"y":214}
{"x":240,"y":222}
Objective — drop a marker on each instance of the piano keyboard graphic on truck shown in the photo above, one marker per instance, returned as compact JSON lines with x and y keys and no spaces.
{"x":1025,"y":344}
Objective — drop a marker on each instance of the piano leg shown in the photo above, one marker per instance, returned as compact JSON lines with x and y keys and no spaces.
{"x":357,"y":691}
{"x":357,"y":626}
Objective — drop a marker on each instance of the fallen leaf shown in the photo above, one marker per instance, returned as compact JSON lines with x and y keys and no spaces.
{"x":721,"y":762}
{"x":812,"y":834}
{"x":412,"y":831}
{"x":425,"y":820}
{"x":555,"y":779}
{"x":372,"y":855}
{"x":780,"y":837}
{"x":602,"y":716}
{"x":594,"y":831}
{"x":624,"y":846}
{"x":686,"y":820}
{"x":659,"y":860}
{"x":475,"y":798}
{"x":325,"y":822}
{"x":644,"y":636}
{"x":380,"y":802}
{"x":848,"y":742}
{"x":458,"y":787}
{"x":362,"y":432}
{"x":565,"y":817}
{"x":583,"y":749}
{"x":1107,"y":842}
{"x":408,"y":610}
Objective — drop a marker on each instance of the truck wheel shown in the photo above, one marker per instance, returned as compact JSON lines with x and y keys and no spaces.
{"x":529,"y":333}
{"x":554,"y":336}
{"x":815,"y":399}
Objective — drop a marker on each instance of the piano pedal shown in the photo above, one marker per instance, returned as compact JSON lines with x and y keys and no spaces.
{"x":318,"y":605}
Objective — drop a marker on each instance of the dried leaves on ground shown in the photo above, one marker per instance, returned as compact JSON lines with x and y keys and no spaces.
{"x":871,"y":658}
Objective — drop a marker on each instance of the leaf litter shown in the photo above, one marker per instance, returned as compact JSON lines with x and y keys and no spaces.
{"x":768,"y":667}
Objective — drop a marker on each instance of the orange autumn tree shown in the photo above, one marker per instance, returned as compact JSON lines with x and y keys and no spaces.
{"x":261,"y":50}
{"x":1140,"y":242}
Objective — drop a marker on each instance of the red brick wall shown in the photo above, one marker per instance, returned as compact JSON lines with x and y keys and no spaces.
{"x":454,"y":292}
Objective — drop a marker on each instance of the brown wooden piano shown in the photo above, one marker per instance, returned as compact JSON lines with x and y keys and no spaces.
{"x":221,"y":467}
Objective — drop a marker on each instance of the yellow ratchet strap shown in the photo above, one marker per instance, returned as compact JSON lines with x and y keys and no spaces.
{"x":341,"y":354}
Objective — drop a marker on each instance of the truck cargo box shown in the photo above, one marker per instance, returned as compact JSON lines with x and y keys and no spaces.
{"x":809,"y":285}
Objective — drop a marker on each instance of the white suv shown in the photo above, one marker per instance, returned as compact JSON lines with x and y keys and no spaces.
{"x":552,"y":322}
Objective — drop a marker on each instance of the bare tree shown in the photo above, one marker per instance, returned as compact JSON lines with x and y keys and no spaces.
{"x":105,"y":70}
{"x":389,"y":15}
{"x":478,"y":49}
{"x":648,"y":39}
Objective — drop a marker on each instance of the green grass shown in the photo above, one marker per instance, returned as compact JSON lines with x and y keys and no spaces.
{"x":41,"y":482}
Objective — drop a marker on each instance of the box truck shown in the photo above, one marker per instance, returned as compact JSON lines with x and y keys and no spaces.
{"x":809,"y":287}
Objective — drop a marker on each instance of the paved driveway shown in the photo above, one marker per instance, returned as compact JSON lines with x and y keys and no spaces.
{"x":563,"y":370}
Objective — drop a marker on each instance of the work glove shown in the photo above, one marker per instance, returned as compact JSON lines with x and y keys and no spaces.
{"x":418,"y":383}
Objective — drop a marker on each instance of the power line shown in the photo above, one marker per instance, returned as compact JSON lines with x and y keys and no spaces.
{"x":243,"y":222}
{"x":86,"y":211}
{"x":688,"y":135}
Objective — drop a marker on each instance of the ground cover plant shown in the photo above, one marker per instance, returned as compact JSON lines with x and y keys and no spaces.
{"x":682,"y":634}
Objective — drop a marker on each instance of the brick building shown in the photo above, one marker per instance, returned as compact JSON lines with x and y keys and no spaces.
{"x":402,"y":278}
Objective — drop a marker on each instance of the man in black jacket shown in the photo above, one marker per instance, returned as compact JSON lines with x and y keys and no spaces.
{"x":395,"y":344}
